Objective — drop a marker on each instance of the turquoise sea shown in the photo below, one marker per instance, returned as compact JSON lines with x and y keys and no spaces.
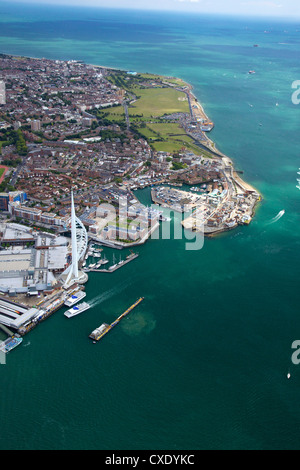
{"x":203,"y":362}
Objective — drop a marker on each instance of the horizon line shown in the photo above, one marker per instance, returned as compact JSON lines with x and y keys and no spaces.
{"x":241,"y":15}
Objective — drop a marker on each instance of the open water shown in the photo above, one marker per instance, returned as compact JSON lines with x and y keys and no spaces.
{"x":202,"y":363}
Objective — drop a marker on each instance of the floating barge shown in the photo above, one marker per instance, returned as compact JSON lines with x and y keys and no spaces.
{"x":98,"y":333}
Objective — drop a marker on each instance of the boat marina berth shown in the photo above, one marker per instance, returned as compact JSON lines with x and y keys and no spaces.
{"x":114,"y":266}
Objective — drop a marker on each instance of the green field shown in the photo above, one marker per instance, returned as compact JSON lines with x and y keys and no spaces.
{"x":115,"y":114}
{"x":171,"y":80}
{"x":168,"y":137}
{"x":153,"y":102}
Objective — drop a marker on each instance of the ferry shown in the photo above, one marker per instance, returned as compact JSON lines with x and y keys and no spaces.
{"x":10,"y":343}
{"x":74,"y":299}
{"x":77,"y":309}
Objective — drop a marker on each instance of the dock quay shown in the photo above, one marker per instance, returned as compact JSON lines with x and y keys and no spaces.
{"x":56,"y":305}
{"x":98,"y":333}
{"x":13,"y":340}
{"x":48,"y":308}
{"x":6,"y":330}
{"x":114,"y":268}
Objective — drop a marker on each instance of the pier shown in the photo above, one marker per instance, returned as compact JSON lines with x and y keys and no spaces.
{"x":97,"y":334}
{"x":114,"y":268}
{"x":6,"y":330}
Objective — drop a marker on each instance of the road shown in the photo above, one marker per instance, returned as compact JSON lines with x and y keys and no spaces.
{"x":126,"y":115}
{"x":15,"y":175}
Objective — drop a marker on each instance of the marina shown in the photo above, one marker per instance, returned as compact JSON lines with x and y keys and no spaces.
{"x":114,"y":266}
{"x":98,"y":333}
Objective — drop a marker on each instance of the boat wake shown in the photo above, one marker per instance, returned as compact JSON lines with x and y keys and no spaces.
{"x":278,"y":216}
{"x":108,"y":294}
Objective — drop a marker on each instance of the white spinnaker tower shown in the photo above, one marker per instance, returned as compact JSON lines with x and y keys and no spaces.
{"x":79,"y":246}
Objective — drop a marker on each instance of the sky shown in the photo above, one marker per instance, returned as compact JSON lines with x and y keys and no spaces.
{"x":274,"y":8}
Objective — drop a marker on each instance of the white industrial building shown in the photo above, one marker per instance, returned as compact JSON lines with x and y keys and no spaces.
{"x":29,"y":261}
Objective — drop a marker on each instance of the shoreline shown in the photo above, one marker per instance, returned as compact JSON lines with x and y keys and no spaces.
{"x":166,"y":80}
{"x":196,"y":112}
{"x":162,"y":77}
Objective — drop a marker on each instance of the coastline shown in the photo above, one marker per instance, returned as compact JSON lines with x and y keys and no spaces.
{"x":195,"y":128}
{"x":166,"y":80}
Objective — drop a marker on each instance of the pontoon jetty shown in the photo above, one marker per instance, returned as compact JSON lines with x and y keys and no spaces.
{"x":98,"y":333}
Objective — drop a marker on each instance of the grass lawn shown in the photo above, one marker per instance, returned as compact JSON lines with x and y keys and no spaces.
{"x":172,"y":80}
{"x":118,"y":110}
{"x":173,"y":135}
{"x":3,"y":170}
{"x":158,"y":101}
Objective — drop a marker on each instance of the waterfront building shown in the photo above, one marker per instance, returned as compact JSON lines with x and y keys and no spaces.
{"x":34,"y":215}
{"x":30,"y":261}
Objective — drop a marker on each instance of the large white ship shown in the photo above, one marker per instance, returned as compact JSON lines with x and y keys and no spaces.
{"x":77,"y":309}
{"x":75,"y":298}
